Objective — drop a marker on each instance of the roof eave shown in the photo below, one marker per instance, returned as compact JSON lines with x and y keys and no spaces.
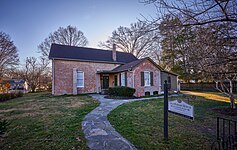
{"x":111,"y":62}
{"x":170,"y":72}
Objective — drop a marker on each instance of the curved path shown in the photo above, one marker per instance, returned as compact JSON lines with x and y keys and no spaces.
{"x":99,"y":132}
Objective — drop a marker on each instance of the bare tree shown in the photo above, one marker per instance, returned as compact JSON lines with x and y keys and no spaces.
{"x":8,"y":54}
{"x":66,"y":36}
{"x":138,"y":39}
{"x":215,"y":43}
{"x":33,"y":72}
{"x":216,"y":57}
{"x":198,"y":12}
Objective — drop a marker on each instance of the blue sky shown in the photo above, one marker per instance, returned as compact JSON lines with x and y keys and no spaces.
{"x":29,"y":22}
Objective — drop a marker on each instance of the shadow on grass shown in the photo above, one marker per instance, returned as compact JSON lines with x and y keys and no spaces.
{"x":141,"y":123}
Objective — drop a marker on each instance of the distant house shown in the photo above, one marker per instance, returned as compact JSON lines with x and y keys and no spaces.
{"x":87,"y":70}
{"x":16,"y":85}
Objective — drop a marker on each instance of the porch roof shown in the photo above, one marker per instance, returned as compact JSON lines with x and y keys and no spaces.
{"x":106,"y":72}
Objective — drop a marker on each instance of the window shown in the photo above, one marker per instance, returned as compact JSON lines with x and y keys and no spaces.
{"x":123,"y":79}
{"x":169,"y":83}
{"x":147,"y":78}
{"x":80,"y":79}
{"x":169,"y":79}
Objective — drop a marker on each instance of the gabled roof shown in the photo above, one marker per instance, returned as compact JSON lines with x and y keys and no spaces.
{"x":13,"y":81}
{"x":65,"y":52}
{"x":133,"y":64}
{"x":169,"y":72}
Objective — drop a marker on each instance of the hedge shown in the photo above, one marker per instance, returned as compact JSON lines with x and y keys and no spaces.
{"x":121,"y":91}
{"x":8,"y":96}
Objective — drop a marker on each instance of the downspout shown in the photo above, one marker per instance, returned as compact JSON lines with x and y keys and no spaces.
{"x":53,"y":83}
{"x":160,"y":82}
{"x":130,"y":70}
{"x":133,"y":79}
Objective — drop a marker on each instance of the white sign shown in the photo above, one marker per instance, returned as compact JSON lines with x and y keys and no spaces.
{"x":181,"y":108}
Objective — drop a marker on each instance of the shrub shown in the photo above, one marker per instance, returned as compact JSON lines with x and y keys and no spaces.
{"x":147,"y":94}
{"x":13,"y":95}
{"x":20,"y":94}
{"x":121,"y":91}
{"x":4,"y":97}
{"x":8,"y":96}
{"x":155,"y":93}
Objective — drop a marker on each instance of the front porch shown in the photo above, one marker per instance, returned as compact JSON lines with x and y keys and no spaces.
{"x":107,"y":79}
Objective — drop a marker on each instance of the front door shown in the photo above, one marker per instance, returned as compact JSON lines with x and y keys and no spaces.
{"x":105,"y":82}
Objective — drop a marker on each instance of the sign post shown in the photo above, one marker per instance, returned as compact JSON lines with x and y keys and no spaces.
{"x":166,"y":111}
{"x":177,"y":107}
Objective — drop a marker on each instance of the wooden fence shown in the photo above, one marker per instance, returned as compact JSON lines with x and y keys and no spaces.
{"x":204,"y":86}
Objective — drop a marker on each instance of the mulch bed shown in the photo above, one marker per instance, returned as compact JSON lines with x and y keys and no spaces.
{"x":226,"y":111}
{"x":120,"y":97}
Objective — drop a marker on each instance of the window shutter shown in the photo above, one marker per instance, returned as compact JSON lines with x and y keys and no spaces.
{"x":125,"y":78}
{"x":120,"y":79}
{"x":151,"y":76}
{"x":142,"y":78}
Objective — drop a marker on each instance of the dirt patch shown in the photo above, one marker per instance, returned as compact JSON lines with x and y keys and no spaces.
{"x":7,"y":110}
{"x":76,"y":104}
{"x":45,"y":114}
{"x":15,"y":109}
{"x":226,"y":111}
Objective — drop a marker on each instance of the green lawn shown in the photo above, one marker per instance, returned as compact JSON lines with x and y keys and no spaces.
{"x":40,"y":121}
{"x":141,"y":122}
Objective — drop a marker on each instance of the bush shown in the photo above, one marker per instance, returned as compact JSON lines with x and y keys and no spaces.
{"x":4,"y":97}
{"x":8,"y":96}
{"x":155,"y":93}
{"x":121,"y":91}
{"x":147,"y":94}
{"x":20,"y":94}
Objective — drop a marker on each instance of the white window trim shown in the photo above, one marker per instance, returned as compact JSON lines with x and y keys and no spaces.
{"x":123,"y":79}
{"x":149,"y":78}
{"x":82,"y":78}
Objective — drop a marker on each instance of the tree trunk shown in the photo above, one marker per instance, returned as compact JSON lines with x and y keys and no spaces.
{"x":33,"y":88}
{"x":232,"y":99}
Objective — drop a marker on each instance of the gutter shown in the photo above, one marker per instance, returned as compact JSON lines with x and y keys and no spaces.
{"x":55,"y":58}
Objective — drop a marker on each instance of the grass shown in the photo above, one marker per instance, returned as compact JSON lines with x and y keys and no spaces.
{"x":40,"y":121}
{"x":141,"y":122}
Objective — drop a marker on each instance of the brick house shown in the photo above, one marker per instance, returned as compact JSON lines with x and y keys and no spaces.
{"x":87,"y":70}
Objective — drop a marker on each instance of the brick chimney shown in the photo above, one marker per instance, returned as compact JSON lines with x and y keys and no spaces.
{"x":114,"y":52}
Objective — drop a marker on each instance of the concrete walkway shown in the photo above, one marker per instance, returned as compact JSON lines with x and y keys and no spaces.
{"x":99,"y":132}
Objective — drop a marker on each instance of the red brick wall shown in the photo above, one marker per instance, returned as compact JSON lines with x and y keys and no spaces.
{"x":63,"y":75}
{"x":146,"y":66}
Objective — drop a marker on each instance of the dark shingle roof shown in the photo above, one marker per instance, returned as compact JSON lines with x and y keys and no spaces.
{"x":133,"y":64}
{"x":128,"y":66}
{"x":88,"y":54}
{"x":15,"y":81}
{"x":169,"y":72}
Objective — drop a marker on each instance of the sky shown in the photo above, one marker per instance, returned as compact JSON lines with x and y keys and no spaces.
{"x":29,"y":22}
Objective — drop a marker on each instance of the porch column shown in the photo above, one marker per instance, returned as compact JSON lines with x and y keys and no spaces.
{"x":74,"y":81}
{"x":97,"y":83}
{"x":159,"y":83}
